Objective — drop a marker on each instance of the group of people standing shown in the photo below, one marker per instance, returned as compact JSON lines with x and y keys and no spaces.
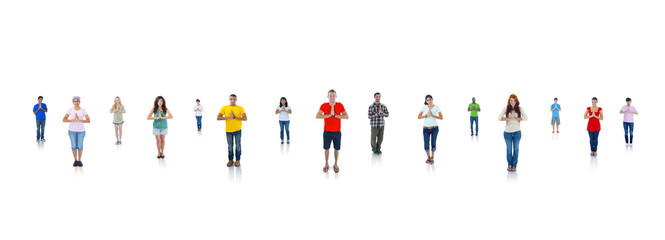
{"x":332,"y":112}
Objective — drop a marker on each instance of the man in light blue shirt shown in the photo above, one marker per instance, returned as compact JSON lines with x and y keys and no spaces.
{"x":555,"y":109}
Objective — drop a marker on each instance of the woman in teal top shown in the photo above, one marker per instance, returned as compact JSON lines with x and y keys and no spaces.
{"x":430,"y":128}
{"x":159,"y":114}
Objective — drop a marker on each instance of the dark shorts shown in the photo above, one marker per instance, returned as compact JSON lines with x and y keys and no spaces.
{"x":334,"y":137}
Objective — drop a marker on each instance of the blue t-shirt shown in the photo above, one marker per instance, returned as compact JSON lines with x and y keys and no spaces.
{"x":41,"y":115}
{"x":555,"y":112}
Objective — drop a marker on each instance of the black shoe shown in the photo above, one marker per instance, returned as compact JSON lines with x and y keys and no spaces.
{"x":80,"y":164}
{"x":379,"y":152}
{"x":76,"y":164}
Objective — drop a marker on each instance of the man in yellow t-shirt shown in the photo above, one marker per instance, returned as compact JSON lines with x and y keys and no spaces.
{"x":233,"y":115}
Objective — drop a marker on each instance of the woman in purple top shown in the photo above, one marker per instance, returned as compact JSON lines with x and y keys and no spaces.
{"x":628,"y":122}
{"x":76,"y":117}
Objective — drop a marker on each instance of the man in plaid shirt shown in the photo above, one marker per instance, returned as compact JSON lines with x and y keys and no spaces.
{"x":376,"y":113}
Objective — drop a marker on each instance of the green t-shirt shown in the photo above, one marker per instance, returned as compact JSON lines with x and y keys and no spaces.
{"x":474,"y":106}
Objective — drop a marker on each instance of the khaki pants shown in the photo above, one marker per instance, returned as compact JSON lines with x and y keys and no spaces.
{"x":377,"y":138}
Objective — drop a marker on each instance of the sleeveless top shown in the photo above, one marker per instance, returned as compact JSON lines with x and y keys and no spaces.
{"x":159,"y":123}
{"x":594,"y":123}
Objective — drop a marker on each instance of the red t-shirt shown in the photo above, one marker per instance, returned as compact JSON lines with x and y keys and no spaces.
{"x":594,"y":123}
{"x":332,"y":124}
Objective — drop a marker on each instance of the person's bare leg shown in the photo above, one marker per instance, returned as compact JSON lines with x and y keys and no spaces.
{"x":120,"y":133}
{"x":116,"y":133}
{"x":336,"y":156}
{"x":159,"y":144}
{"x":557,"y":128}
{"x":428,"y":156}
{"x":552,"y":128}
{"x":80,"y":152}
{"x":163,"y":137}
{"x":75,"y":155}
{"x":432,"y":156}
{"x":327,"y":154}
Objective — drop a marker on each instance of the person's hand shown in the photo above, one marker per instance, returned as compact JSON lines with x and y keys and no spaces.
{"x":76,"y":117}
{"x":232,"y":115}
{"x":380,"y":110}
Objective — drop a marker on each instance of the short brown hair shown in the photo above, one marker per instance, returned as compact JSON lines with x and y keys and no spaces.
{"x":332,"y":91}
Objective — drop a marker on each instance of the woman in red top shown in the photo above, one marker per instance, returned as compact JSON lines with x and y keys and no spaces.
{"x":594,"y":114}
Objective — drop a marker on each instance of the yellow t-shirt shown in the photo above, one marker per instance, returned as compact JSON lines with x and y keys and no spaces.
{"x":233,"y":125}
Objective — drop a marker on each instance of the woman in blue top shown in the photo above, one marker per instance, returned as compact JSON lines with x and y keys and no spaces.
{"x":284,"y":110}
{"x":430,"y":128}
{"x":159,"y":114}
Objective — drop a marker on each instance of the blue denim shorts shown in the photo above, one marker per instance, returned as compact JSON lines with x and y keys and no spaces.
{"x":158,"y":131}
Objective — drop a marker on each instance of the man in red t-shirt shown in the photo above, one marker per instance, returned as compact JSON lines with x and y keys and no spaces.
{"x":332,"y":113}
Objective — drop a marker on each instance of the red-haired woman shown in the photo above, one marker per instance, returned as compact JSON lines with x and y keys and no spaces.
{"x":513,"y":114}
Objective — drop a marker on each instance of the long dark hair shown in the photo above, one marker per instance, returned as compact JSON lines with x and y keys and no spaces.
{"x":509,"y":108}
{"x":156,"y":107}
{"x":286,"y":103}
{"x":428,"y":96}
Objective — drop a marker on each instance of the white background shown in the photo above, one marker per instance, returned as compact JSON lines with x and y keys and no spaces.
{"x":263,"y":50}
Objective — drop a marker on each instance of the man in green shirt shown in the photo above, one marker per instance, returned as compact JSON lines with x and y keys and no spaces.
{"x":474,"y":108}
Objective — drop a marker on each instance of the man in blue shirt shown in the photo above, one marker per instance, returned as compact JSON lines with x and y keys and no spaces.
{"x":40,"y":110}
{"x":555,"y":108}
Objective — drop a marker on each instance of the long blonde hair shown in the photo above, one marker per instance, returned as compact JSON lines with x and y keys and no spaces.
{"x":116,"y":104}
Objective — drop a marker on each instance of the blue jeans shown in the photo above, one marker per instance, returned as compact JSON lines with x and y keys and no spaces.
{"x":198,"y":121}
{"x":512,"y":147}
{"x":593,"y":140}
{"x":474,"y":119}
{"x":284,"y":125}
{"x":77,"y":140}
{"x":627,"y":125}
{"x":40,"y":129}
{"x":229,"y":139}
{"x":430,"y":133}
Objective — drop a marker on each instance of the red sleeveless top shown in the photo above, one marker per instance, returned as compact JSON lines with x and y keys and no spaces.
{"x":594,"y":123}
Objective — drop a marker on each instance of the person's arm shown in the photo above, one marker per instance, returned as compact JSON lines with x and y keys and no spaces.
{"x":122,"y":109}
{"x":420,"y":115}
{"x":370,"y":113}
{"x":220,"y":117}
{"x":277,"y":111}
{"x":621,"y":111}
{"x":87,"y":119}
{"x":502,"y":116}
{"x":385,"y":113}
{"x":342,"y":115}
{"x":586,"y":114}
{"x":45,"y":108}
{"x":440,"y":117}
{"x":601,"y":115}
{"x":66,"y":118}
{"x":523,"y":116}
{"x":635,"y":112}
{"x":150,"y":115}
{"x":168,"y":114}
{"x":243,"y":117}
{"x":320,"y":115}
{"x":288,"y":111}
{"x":35,"y":110}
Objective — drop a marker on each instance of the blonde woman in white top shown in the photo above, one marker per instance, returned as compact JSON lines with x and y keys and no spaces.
{"x":513,"y":114}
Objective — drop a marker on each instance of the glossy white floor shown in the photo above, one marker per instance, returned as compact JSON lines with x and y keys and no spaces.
{"x":204,"y":50}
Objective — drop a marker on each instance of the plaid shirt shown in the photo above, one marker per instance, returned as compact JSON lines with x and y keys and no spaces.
{"x":376,"y":118}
